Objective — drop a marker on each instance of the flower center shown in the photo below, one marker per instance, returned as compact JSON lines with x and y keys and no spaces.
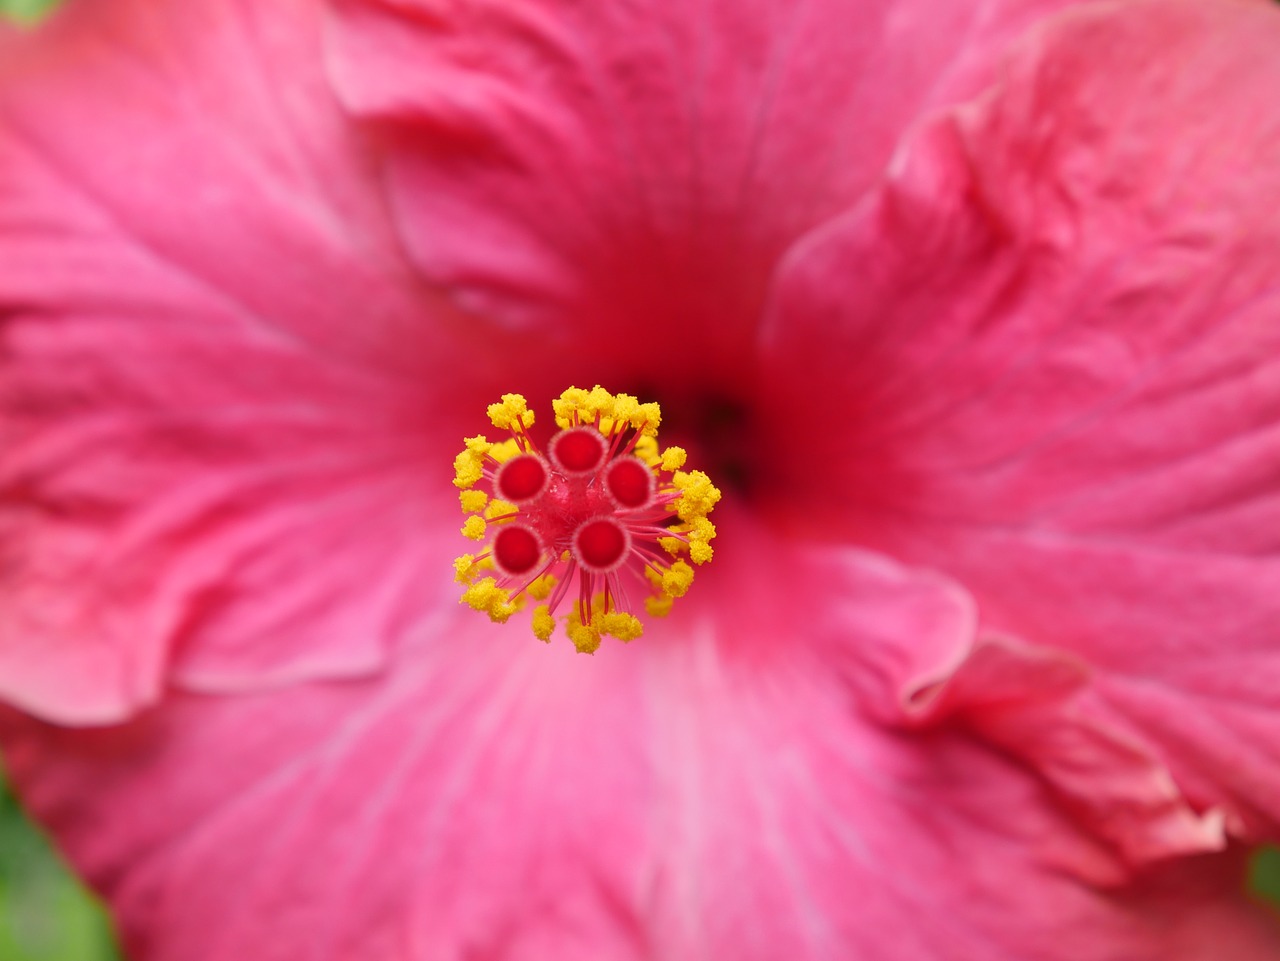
{"x":603,"y":507}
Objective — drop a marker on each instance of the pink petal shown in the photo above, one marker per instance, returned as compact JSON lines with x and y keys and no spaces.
{"x":1053,"y":335}
{"x":1041,"y":705}
{"x":711,"y":791}
{"x":216,"y":374}
{"x":624,"y":176}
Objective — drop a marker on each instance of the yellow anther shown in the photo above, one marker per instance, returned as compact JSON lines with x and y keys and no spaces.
{"x":647,"y":450}
{"x":505,"y":450}
{"x":485,"y":595}
{"x":511,"y":414}
{"x":473,"y":501}
{"x":625,"y":408}
{"x":498,"y":508}
{"x":673,"y":458}
{"x":585,"y":637}
{"x":544,"y":625}
{"x":697,"y":494}
{"x":646,"y":419}
{"x":466,"y":470}
{"x":542,"y":587}
{"x":501,"y":613}
{"x":468,"y":467}
{"x":676,"y":579}
{"x":672,"y":545}
{"x":572,"y":401}
{"x":659,"y":605}
{"x":619,"y":624}
{"x":701,"y":531}
{"x":599,"y":403}
{"x":474,"y":528}
{"x":464,"y":568}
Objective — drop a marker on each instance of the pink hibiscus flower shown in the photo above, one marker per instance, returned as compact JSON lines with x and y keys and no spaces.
{"x":971,"y":312}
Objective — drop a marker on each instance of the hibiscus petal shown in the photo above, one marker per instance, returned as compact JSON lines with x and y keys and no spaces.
{"x":1054,"y":334}
{"x":616,"y":175}
{"x":709,"y":791}
{"x":1041,"y":705}
{"x":215,"y":369}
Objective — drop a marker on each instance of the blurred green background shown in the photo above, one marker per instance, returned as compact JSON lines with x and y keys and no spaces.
{"x":24,"y":10}
{"x":45,"y":915}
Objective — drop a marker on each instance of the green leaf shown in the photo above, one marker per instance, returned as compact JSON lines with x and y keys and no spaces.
{"x":25,"y":11}
{"x":1264,"y":874}
{"x":45,"y":914}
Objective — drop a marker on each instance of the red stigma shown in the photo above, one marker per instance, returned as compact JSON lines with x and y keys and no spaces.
{"x":578,"y":450}
{"x":516,"y":549}
{"x":521,"y":479}
{"x":601,"y":544}
{"x":630,"y":483}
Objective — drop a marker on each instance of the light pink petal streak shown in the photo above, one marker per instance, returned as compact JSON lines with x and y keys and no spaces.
{"x":1054,"y":334}
{"x":709,"y":792}
{"x":219,"y":383}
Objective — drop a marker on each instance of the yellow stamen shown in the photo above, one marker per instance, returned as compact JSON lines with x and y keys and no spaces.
{"x":473,"y":501}
{"x":541,"y":588}
{"x":497,"y":508}
{"x":544,"y":625}
{"x":511,"y":414}
{"x":673,"y":458}
{"x":676,"y":579}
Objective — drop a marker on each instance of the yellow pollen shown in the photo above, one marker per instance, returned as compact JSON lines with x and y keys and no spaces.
{"x":572,"y":402}
{"x":544,"y":625}
{"x":599,"y":402}
{"x":700,"y":552}
{"x":676,"y":579}
{"x":647,"y":450}
{"x":499,"y":508}
{"x":697,"y":494}
{"x":646,"y":419}
{"x":511,"y":414}
{"x":464,"y":568}
{"x":625,"y":627}
{"x":672,"y":545}
{"x":625,"y":409}
{"x":504,"y":451}
{"x":474,"y":528}
{"x":466,"y":470}
{"x":473,"y":501}
{"x":659,"y":606}
{"x":585,"y":637}
{"x":673,"y":458}
{"x":485,"y":595}
{"x":541,"y":588}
